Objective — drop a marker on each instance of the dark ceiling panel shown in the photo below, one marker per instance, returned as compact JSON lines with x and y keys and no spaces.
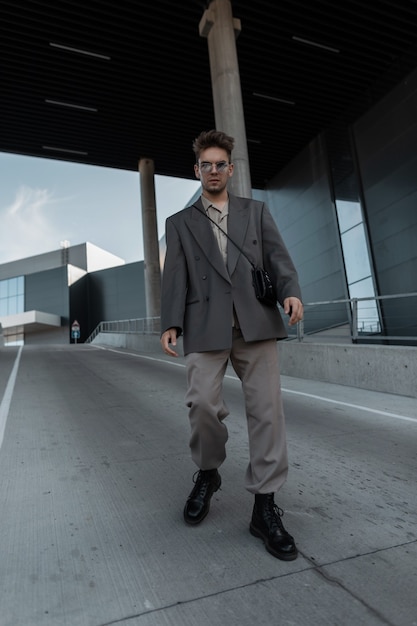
{"x":145,"y":88}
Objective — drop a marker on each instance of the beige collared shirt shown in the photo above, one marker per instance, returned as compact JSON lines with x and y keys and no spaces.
{"x":218,"y":213}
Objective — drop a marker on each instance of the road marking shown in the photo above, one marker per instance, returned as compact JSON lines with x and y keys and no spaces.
{"x":140,"y":356}
{"x":359,"y":407}
{"x":7,"y":397}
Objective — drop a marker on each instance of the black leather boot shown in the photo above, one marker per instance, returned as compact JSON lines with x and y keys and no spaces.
{"x":267,"y":524}
{"x":198,"y":503}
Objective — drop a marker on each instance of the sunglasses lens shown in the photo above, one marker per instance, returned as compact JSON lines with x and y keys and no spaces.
{"x":206,"y":167}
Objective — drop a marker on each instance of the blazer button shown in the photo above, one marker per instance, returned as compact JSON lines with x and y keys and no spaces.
{"x":197,"y":258}
{"x":204,"y":277}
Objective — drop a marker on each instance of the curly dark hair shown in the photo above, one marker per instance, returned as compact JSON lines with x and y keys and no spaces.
{"x":213,"y":139}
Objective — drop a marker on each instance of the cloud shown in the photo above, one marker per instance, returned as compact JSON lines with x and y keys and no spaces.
{"x":29,"y":201}
{"x":25,"y":229}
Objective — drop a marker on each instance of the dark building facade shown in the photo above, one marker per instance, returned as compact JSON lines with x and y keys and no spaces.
{"x":361,"y":171}
{"x":42,"y":296}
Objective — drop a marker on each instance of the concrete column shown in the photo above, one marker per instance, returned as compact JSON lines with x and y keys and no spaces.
{"x":150,"y":238}
{"x":221,"y":29}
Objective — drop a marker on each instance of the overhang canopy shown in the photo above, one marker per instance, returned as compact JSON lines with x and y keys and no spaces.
{"x":105,"y":83}
{"x":30,"y":321}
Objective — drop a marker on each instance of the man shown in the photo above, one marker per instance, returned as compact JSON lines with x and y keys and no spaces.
{"x":209,"y":298}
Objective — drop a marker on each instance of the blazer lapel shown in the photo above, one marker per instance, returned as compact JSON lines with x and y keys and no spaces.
{"x":237,"y":226}
{"x":201,"y":229}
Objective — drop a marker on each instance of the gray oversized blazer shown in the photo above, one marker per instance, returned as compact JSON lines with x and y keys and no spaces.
{"x":198,"y":291}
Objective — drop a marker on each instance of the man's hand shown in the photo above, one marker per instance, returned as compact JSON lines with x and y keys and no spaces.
{"x":169,"y":337}
{"x":293,"y":307}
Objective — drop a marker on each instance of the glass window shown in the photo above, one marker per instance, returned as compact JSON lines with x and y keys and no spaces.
{"x":356,"y":254}
{"x":20,"y":303}
{"x":12,"y":306}
{"x":12,"y":287}
{"x":12,"y":298}
{"x":357,"y":264}
{"x":349,"y":214}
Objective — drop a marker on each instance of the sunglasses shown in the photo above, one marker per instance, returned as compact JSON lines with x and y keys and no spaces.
{"x":206,"y":166}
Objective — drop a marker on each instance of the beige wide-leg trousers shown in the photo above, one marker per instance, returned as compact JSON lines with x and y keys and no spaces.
{"x":256,"y":365}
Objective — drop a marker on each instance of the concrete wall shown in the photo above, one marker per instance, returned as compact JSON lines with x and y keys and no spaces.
{"x":50,"y":336}
{"x":388,"y":369}
{"x":132,"y":341}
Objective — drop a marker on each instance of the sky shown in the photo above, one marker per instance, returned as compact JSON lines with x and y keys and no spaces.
{"x":44,"y":202}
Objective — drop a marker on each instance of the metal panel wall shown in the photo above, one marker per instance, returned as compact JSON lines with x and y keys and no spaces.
{"x":386,"y":147}
{"x":300,"y":199}
{"x":117,"y":293}
{"x":48,"y":291}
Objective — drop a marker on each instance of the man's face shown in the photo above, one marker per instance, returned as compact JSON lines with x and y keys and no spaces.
{"x":211,"y":170}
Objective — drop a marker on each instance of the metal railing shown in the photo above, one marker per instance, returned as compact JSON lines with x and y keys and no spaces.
{"x":380,"y":319}
{"x":141,"y":326}
{"x":390,"y":318}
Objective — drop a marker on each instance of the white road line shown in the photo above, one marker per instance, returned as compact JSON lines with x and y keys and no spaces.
{"x":359,"y":407}
{"x":8,"y":394}
{"x":140,"y":356}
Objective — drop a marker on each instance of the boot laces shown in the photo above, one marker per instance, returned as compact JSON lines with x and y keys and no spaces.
{"x":275,"y":514}
{"x":201,"y":483}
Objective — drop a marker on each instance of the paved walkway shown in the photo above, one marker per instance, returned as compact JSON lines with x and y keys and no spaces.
{"x":95,"y":469}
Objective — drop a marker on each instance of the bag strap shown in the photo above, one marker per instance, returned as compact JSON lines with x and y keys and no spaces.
{"x":225,"y":233}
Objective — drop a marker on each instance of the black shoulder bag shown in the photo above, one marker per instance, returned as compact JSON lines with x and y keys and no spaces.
{"x":262,"y":284}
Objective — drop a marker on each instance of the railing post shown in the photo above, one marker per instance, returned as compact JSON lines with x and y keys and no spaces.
{"x":300,"y":330}
{"x":354,"y":320}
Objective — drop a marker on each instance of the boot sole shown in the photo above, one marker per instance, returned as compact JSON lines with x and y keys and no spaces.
{"x":283,"y":556}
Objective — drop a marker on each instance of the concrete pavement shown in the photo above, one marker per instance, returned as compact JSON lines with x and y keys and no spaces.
{"x":95,"y":470}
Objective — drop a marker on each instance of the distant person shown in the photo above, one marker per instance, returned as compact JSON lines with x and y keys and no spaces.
{"x":208,"y":296}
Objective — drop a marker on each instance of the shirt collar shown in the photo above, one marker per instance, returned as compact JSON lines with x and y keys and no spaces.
{"x":207,"y":204}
